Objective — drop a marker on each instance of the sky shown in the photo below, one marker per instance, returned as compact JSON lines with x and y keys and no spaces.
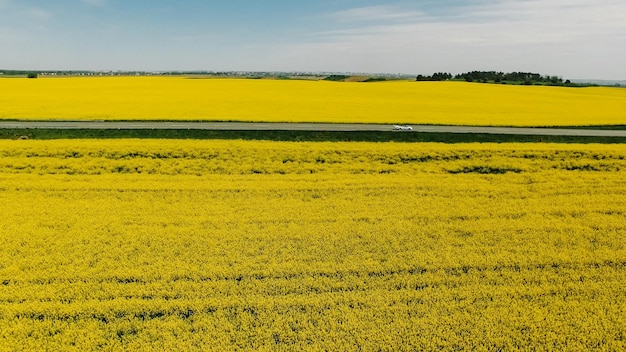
{"x":568,"y":38}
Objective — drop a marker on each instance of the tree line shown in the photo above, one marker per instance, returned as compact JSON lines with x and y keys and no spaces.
{"x":527,"y":78}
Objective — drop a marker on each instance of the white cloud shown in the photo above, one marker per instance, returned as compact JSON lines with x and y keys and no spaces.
{"x":499,"y":22}
{"x":572,"y":38}
{"x":15,"y":11}
{"x":375,"y":13}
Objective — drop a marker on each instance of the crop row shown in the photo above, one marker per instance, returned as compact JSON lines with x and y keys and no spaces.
{"x":232,"y":157}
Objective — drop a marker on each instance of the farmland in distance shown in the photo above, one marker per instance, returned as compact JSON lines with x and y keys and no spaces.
{"x":161,"y":244}
{"x":183,"y":98}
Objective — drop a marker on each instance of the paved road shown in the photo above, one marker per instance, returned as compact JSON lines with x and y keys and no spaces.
{"x":238,"y":126}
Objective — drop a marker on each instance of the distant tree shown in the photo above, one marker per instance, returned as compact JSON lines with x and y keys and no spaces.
{"x":438,"y":76}
{"x":441,"y":76}
{"x":32,"y":75}
{"x":526,"y":78}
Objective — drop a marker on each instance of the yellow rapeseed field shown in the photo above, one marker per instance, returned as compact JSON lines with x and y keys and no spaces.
{"x":240,"y":245}
{"x":182,"y":98}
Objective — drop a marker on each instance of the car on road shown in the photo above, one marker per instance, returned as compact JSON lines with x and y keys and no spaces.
{"x":402,"y":128}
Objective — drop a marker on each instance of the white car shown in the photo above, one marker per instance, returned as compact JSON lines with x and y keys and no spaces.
{"x":402,"y":128}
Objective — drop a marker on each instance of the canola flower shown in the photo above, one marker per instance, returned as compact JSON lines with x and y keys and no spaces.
{"x":241,"y":245}
{"x":181,"y":98}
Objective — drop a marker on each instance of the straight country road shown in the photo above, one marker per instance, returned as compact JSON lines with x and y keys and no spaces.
{"x":255,"y":126}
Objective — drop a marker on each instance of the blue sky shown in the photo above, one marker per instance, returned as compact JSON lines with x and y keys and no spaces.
{"x":569,"y":38}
